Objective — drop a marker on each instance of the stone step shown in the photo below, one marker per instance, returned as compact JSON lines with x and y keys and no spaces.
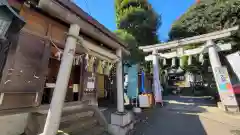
{"x":76,"y":116}
{"x":97,"y":130}
{"x":82,"y":120}
{"x":78,"y":126}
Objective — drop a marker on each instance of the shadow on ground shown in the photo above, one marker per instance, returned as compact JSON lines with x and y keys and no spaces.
{"x":160,"y":121}
{"x":201,"y":100}
{"x":175,"y":118}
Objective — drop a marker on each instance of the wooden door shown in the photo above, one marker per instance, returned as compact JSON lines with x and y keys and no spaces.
{"x":23,"y":84}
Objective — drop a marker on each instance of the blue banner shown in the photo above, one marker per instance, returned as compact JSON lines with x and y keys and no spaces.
{"x":132,"y":90}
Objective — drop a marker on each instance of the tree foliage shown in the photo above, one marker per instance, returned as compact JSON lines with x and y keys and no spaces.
{"x":139,"y":19}
{"x":136,"y":55}
{"x":206,"y":16}
{"x":136,"y":20}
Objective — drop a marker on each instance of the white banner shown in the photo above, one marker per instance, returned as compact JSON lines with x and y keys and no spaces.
{"x":157,"y":86}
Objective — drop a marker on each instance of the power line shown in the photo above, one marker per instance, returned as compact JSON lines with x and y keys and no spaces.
{"x":86,"y":2}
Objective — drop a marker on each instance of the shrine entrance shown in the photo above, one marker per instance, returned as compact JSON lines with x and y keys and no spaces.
{"x":196,"y":46}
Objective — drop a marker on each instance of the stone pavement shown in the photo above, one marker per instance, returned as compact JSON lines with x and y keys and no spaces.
{"x":187,"y":116}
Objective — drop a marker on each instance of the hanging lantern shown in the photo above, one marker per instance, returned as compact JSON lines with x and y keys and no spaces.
{"x":164,"y":62}
{"x":181,"y":62}
{"x":173,"y":62}
{"x":201,"y":58}
{"x":190,"y":60}
{"x":180,"y":70}
{"x":91,"y":63}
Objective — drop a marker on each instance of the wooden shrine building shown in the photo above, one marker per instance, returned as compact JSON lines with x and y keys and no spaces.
{"x":34,"y":56}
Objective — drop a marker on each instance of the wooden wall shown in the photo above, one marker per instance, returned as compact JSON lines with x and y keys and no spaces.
{"x":24,"y":76}
{"x":26,"y":68}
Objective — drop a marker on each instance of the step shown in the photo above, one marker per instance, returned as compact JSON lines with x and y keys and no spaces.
{"x":76,"y":116}
{"x":79,"y":125}
{"x":82,"y":120}
{"x":97,"y":130}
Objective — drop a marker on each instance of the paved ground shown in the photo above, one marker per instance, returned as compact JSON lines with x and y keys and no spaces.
{"x":187,"y":116}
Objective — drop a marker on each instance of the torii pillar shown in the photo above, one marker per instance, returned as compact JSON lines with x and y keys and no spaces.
{"x":222,"y":79}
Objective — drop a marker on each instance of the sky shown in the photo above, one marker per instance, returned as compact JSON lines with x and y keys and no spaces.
{"x":170,"y":10}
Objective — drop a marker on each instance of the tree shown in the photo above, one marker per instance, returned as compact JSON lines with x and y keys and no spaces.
{"x":136,"y":55}
{"x":206,"y":16}
{"x":139,"y":19}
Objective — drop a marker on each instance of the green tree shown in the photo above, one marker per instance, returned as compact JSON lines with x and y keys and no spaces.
{"x":206,"y":16}
{"x":136,"y":55}
{"x":139,"y":19}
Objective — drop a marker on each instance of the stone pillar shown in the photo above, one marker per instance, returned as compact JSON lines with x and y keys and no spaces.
{"x":121,"y":121}
{"x":213,"y":55}
{"x":55,"y":111}
{"x":120,"y":92}
{"x":230,"y":105}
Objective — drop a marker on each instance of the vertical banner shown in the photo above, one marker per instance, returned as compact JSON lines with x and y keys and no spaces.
{"x":157,"y":86}
{"x":132,"y":81}
{"x":225,"y":88}
{"x":142,"y":82}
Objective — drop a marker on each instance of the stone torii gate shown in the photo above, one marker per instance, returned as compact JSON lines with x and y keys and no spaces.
{"x":208,"y":46}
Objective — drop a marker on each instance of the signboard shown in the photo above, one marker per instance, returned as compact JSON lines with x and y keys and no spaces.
{"x":225,"y":88}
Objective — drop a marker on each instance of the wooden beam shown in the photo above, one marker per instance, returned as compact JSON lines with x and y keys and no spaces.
{"x":220,"y":47}
{"x":196,"y":39}
{"x":59,"y":11}
{"x":99,"y":52}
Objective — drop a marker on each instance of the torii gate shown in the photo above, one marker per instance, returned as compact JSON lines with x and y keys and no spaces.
{"x":208,"y":46}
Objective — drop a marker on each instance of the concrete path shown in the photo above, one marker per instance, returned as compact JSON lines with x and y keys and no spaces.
{"x":187,"y":116}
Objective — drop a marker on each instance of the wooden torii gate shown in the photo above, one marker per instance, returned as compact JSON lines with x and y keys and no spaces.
{"x":208,"y":46}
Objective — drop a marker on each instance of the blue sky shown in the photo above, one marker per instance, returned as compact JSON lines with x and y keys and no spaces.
{"x":170,"y":10}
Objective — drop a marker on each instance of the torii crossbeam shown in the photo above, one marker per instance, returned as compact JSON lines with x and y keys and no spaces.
{"x":208,"y":46}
